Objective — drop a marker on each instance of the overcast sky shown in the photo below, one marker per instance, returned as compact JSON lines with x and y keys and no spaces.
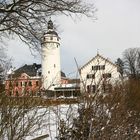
{"x":117,"y":27}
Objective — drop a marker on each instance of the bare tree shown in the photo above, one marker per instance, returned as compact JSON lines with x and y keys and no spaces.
{"x":120,"y":65}
{"x":132,"y":62}
{"x":3,"y":60}
{"x":114,"y":116}
{"x":27,"y":18}
{"x":20,"y":117}
{"x":5,"y":63}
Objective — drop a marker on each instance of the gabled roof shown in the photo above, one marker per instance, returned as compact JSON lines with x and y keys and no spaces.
{"x":30,"y":70}
{"x":98,"y":55}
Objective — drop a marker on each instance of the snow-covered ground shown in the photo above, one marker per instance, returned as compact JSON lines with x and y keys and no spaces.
{"x":51,"y":119}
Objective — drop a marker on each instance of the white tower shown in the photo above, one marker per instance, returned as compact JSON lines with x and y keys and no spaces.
{"x":51,"y":71}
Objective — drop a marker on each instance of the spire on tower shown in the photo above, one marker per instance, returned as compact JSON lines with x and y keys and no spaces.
{"x":97,"y":51}
{"x":50,"y":24}
{"x":51,"y":29}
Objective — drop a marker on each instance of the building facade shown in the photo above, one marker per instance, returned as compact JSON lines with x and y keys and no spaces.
{"x":98,"y":74}
{"x":25,"y":81}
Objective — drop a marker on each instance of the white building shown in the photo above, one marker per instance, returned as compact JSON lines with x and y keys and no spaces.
{"x":51,"y":70}
{"x":98,"y":74}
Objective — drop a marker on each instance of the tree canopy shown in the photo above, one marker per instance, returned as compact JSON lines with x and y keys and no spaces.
{"x":27,"y":18}
{"x":131,"y":58}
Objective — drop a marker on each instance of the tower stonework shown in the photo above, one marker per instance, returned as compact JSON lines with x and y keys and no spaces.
{"x":51,"y":70}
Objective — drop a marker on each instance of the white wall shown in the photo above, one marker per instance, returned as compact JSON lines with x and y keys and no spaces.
{"x":51,"y":71}
{"x":87,"y":69}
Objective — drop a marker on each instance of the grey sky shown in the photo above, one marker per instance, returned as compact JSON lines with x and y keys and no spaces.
{"x":116,"y":29}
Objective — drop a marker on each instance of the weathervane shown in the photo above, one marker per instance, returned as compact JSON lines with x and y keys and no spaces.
{"x":97,"y":51}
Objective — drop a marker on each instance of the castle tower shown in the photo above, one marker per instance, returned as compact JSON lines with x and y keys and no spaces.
{"x":51,"y":71}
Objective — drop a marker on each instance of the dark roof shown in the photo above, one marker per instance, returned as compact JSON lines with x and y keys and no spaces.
{"x":30,"y":70}
{"x":63,"y":74}
{"x":51,"y":28}
{"x":52,"y":32}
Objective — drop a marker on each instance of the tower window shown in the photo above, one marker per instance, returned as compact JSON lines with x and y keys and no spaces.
{"x":39,"y":74}
{"x":51,"y":38}
{"x":54,"y":65}
{"x":49,"y":72}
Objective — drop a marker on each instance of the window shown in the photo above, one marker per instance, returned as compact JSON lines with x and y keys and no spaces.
{"x":106,"y":88}
{"x":89,"y":76}
{"x":25,"y":83}
{"x":98,"y":67}
{"x":16,"y":84}
{"x":37,"y":83}
{"x":91,"y":88}
{"x":51,"y":38}
{"x":21,"y":84}
{"x":30,"y":83}
{"x":54,"y":65}
{"x":39,"y":73}
{"x":95,"y":67}
{"x":31,"y":93}
{"x":10,"y":93}
{"x":48,"y":72}
{"x":10,"y":84}
{"x":102,"y":67}
{"x":17,"y":93}
{"x":107,"y":75}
